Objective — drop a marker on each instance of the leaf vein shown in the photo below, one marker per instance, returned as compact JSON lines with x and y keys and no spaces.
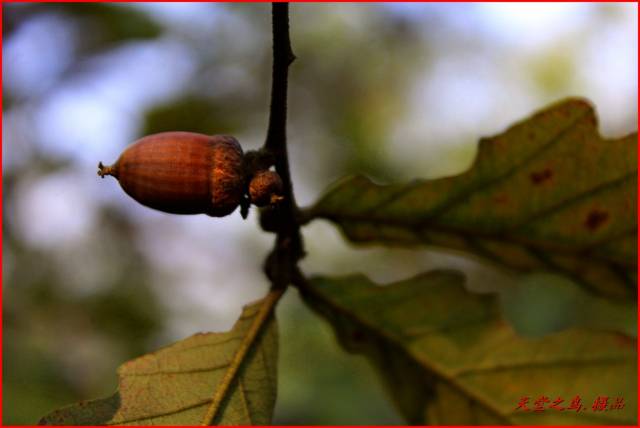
{"x":567,"y":203}
{"x":542,"y":364}
{"x":462,"y":196}
{"x":178,"y":372}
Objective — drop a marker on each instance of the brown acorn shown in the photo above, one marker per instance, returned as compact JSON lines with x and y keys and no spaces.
{"x":265,"y":188}
{"x":182,"y":173}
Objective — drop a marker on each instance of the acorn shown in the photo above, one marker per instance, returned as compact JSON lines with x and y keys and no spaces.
{"x":265,"y":188}
{"x":184,"y":173}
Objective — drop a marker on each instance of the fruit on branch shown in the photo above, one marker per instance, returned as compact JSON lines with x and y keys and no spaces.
{"x":185,"y":173}
{"x":265,"y":188}
{"x":182,"y":173}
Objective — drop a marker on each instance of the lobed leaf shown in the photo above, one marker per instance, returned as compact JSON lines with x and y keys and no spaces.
{"x":175,"y":385}
{"x":447,"y":358}
{"x":548,"y":194}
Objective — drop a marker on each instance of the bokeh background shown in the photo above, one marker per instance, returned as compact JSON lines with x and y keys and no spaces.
{"x":92,"y":279}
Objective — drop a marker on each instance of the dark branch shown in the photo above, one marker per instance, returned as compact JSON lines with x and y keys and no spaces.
{"x":282,"y":57}
{"x":282,"y":219}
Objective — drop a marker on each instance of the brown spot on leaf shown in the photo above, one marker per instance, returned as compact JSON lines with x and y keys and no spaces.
{"x":501,"y":199}
{"x":540,"y":177}
{"x":595,"y":219}
{"x":625,"y":341}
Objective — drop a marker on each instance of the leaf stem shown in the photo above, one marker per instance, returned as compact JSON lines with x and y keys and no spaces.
{"x":259,"y":321}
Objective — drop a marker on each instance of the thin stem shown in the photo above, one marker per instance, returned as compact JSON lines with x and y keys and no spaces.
{"x":268,"y":304}
{"x":282,"y":58}
{"x":289,"y":247}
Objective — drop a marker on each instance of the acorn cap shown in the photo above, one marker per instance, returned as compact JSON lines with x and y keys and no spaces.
{"x":227,"y":175}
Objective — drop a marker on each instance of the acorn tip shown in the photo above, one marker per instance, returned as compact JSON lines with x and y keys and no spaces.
{"x":104,"y":170}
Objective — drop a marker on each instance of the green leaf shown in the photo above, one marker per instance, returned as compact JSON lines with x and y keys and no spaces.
{"x":547,"y":194}
{"x":541,"y":303}
{"x":447,"y":357}
{"x":175,"y":385}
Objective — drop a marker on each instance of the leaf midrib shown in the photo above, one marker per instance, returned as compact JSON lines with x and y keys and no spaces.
{"x":193,"y":405}
{"x":466,"y":192}
{"x":401,"y":346}
{"x":500,"y":237}
{"x":454,"y":380}
{"x":365,"y":217}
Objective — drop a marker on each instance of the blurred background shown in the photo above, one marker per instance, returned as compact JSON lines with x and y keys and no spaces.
{"x":399,"y":91}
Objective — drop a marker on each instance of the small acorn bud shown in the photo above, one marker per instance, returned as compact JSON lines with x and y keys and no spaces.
{"x":182,"y":173}
{"x":265,"y":188}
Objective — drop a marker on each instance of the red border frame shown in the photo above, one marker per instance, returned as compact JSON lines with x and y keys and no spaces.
{"x":255,"y":1}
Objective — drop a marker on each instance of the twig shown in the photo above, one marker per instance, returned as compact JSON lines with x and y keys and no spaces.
{"x":289,"y":248}
{"x":258,"y":323}
{"x":282,"y":57}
